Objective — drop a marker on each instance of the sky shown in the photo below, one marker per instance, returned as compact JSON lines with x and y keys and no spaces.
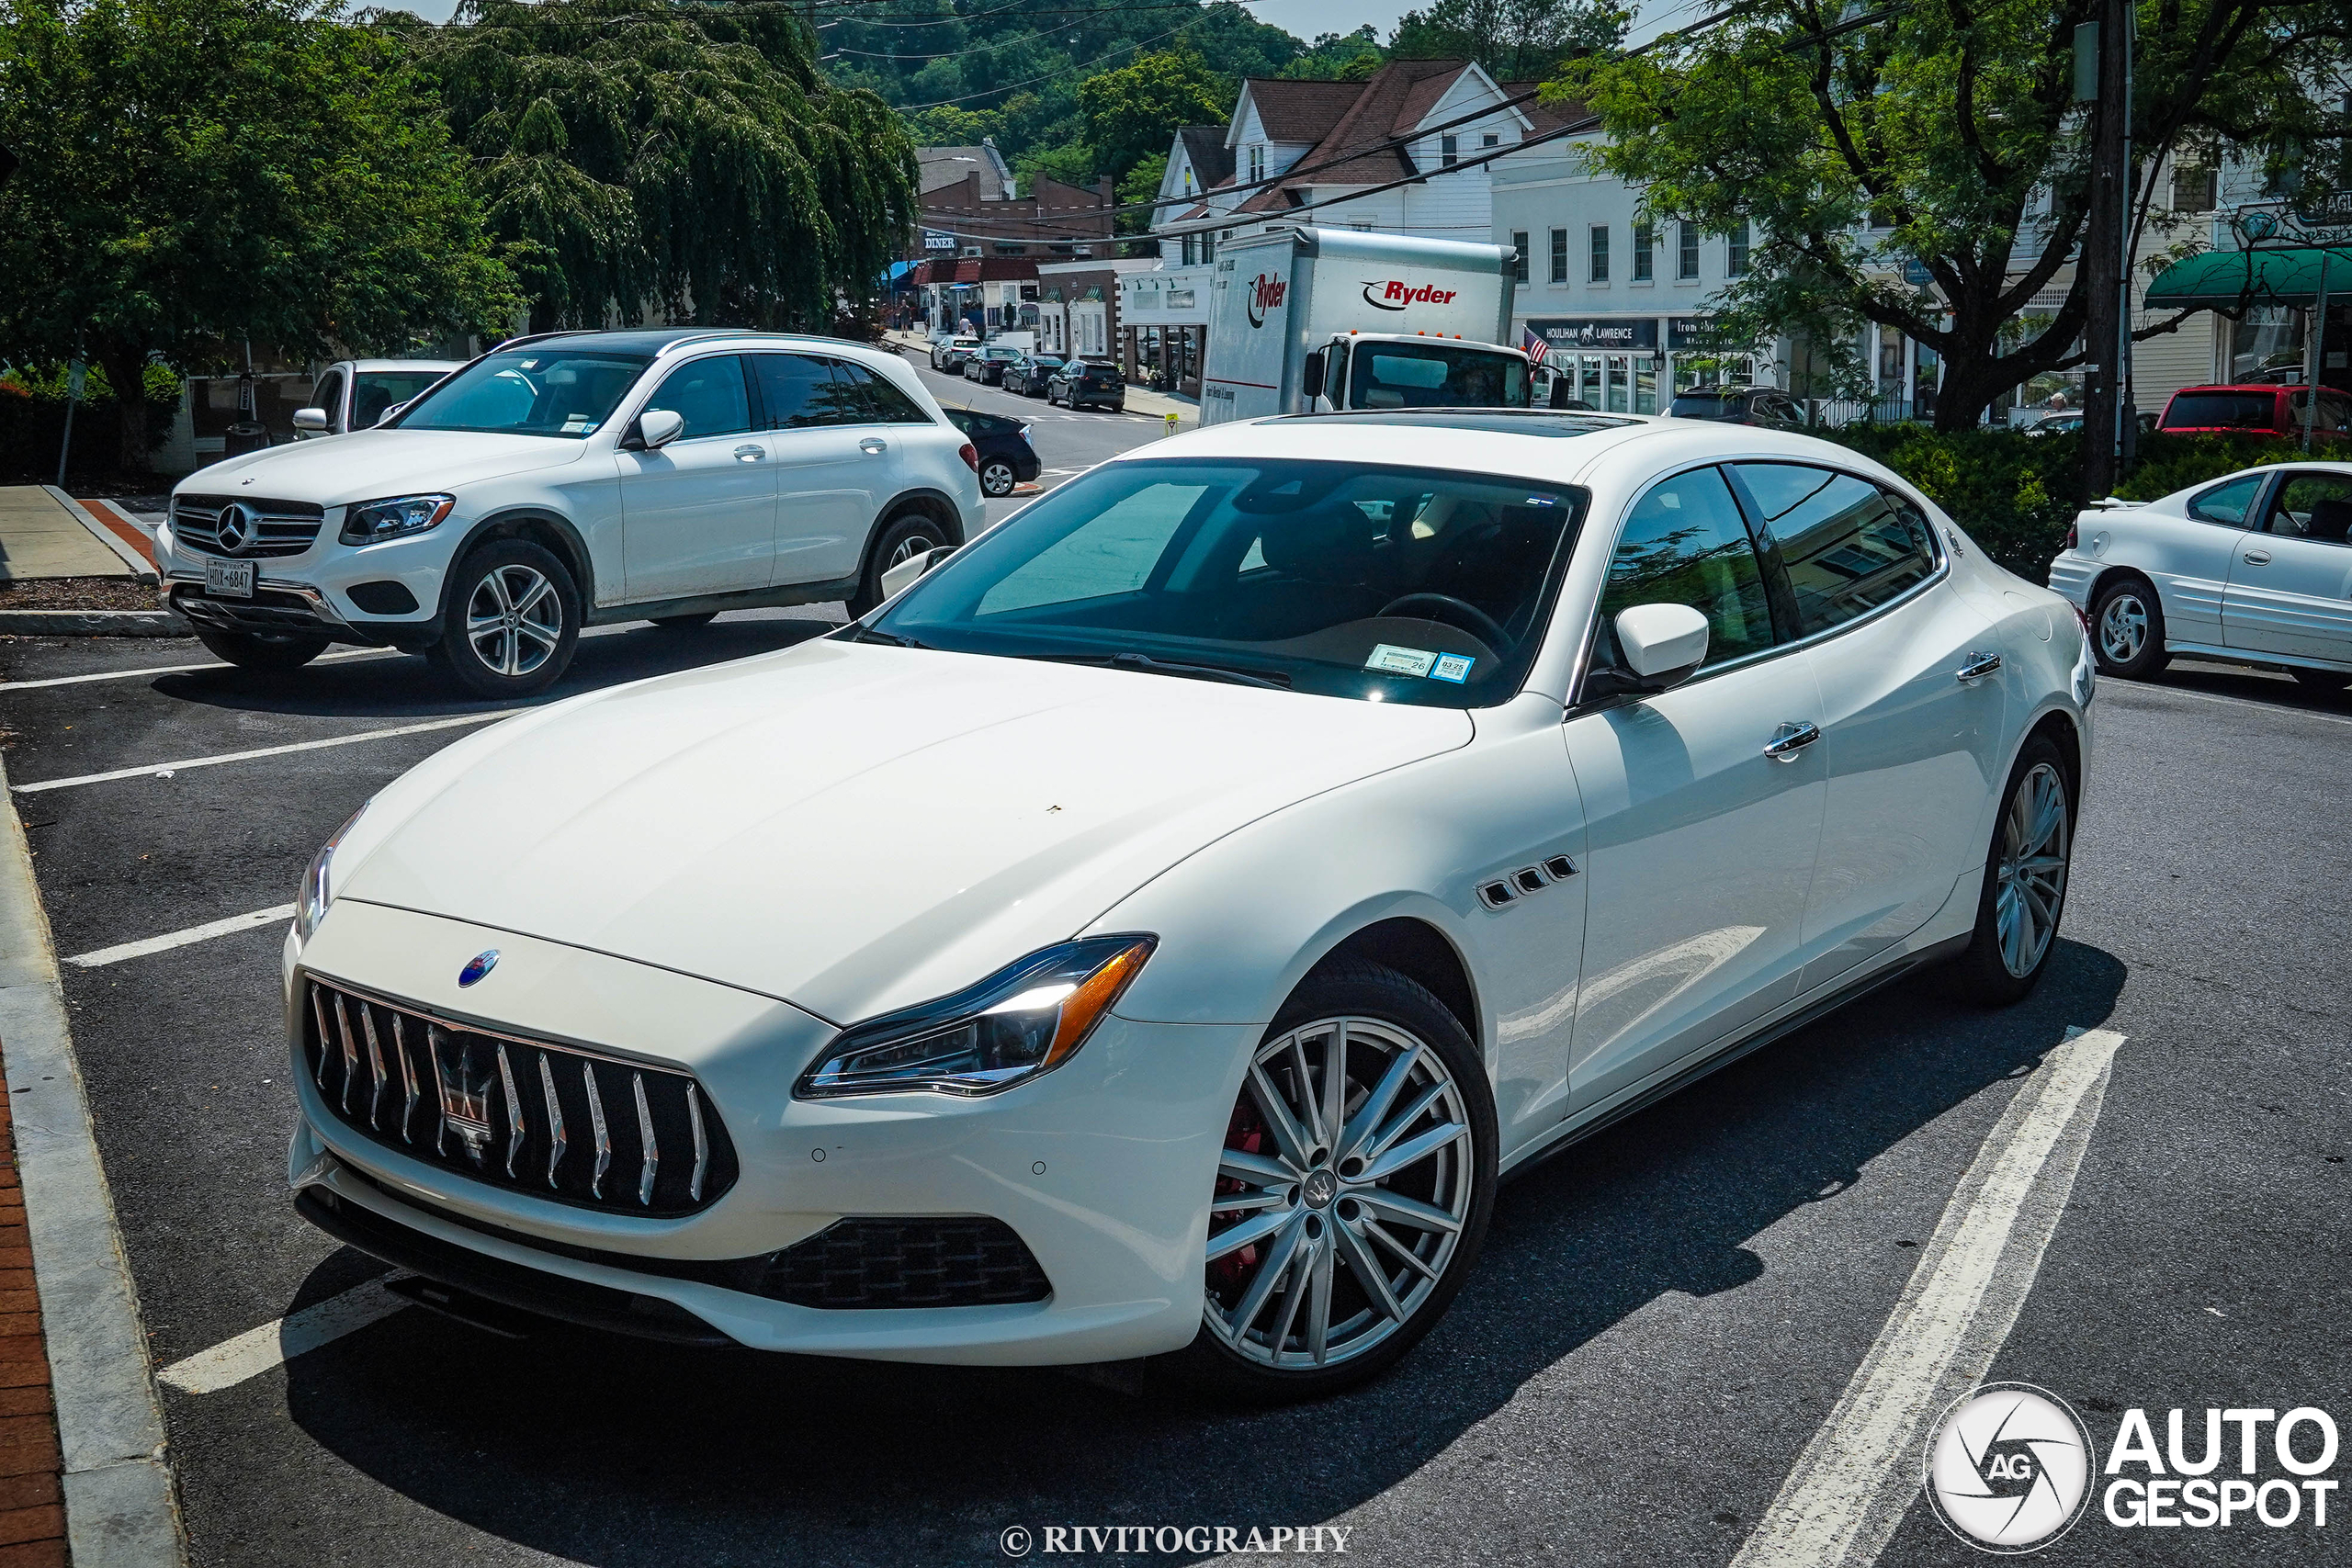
{"x":1305,"y":18}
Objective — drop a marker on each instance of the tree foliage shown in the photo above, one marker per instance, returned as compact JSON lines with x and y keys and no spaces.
{"x":197,"y":172}
{"x":1134,"y":112}
{"x":690,"y":158}
{"x":1944,"y":134}
{"x":1516,"y":41}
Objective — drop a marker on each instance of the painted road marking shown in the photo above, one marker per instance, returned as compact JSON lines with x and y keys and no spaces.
{"x":1851,"y":1487}
{"x":228,"y":927}
{"x":281,"y":1339}
{"x":157,"y":768}
{"x":171,"y":670}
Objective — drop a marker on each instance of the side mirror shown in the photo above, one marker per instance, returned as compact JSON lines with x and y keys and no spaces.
{"x":903,"y":576}
{"x":1563,"y":392}
{"x":310,"y":419}
{"x":1664,"y":644}
{"x":1311,"y":379}
{"x":386,"y":417}
{"x":652,"y":430}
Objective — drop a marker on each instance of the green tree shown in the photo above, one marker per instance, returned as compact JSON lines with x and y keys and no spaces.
{"x":689,"y":158}
{"x":1134,"y":112}
{"x":1339,"y":57}
{"x":1141,"y":185}
{"x":1516,"y":41}
{"x":196,"y":171}
{"x":1945,"y":135}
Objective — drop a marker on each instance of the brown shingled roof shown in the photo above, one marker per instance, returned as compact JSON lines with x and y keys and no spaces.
{"x":1300,"y":111}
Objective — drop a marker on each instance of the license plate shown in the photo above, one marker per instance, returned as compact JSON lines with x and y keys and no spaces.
{"x":232,"y":578}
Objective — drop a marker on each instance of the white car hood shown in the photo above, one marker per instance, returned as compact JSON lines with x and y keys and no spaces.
{"x":370,"y":464}
{"x":852,"y":828}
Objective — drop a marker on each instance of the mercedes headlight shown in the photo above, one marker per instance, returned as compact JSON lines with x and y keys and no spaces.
{"x":1026,"y":1018}
{"x":372,"y":521}
{"x":311,"y":900}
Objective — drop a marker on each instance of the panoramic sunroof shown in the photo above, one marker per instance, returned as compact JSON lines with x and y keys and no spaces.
{"x":1504,"y":422}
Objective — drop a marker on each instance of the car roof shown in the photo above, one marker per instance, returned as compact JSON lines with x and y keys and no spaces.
{"x":657,"y":341}
{"x":442,"y":365}
{"x":2273,"y":387}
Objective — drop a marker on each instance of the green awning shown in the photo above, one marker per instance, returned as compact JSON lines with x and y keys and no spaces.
{"x":2226,"y":280}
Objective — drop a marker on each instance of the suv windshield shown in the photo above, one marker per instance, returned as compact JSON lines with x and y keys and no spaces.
{"x":1416,"y":375}
{"x":1385,"y":585}
{"x":545,"y":389}
{"x":1707,"y":405}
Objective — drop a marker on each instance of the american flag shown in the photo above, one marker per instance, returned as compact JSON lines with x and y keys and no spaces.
{"x":1535,"y":346}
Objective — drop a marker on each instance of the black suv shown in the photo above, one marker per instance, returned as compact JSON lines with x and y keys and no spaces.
{"x":1740,"y":405}
{"x":1082,"y":383}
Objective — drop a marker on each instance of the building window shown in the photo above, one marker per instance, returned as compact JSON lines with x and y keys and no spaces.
{"x":2192,"y":189}
{"x":1491,"y":139}
{"x":1192,"y":249}
{"x":1686,"y":251}
{"x":1004,"y":250}
{"x":1559,"y":256}
{"x":1736,"y":253}
{"x":1519,"y":258}
{"x":1645,"y":250}
{"x":1448,"y":152}
{"x":1208,"y":246}
{"x":1599,"y":270}
{"x":1257,"y":162}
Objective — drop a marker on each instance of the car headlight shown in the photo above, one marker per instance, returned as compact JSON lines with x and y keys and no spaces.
{"x":1026,"y":1018}
{"x":311,"y":900}
{"x":371,"y":520}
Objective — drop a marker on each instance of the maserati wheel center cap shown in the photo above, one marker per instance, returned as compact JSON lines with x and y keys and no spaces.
{"x":1319,"y":1187}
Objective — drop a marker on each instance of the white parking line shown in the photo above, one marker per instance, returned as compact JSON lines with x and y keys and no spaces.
{"x":1861,"y":1473}
{"x":155,"y":769}
{"x":229,"y":927}
{"x":171,"y":670}
{"x":281,"y":1339}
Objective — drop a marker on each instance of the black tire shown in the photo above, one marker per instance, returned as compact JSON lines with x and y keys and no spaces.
{"x":541,"y":635}
{"x":1986,"y":973}
{"x":908,"y":533}
{"x":1385,"y":1010}
{"x":683,"y":623}
{"x":2321,"y":680}
{"x":997,"y":477}
{"x":262,"y":650}
{"x":2128,"y":630}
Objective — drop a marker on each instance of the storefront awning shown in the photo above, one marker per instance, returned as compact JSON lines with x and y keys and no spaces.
{"x":2227,"y":279}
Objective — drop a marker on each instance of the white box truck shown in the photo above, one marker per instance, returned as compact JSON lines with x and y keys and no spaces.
{"x":1302,"y":320}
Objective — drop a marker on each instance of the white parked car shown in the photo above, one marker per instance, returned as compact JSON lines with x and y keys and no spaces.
{"x":572,"y":479}
{"x":1154,"y":931}
{"x":2255,"y":568}
{"x":356,"y":394}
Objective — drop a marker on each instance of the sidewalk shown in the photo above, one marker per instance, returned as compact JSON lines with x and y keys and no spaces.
{"x":43,"y":533}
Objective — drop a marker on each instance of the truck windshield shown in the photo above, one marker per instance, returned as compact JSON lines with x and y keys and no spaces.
{"x":1435,"y":376}
{"x":1383,"y":585}
{"x":529,"y":391}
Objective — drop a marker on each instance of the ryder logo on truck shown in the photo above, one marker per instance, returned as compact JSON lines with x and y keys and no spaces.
{"x":1265,"y":294}
{"x":1391,"y":294}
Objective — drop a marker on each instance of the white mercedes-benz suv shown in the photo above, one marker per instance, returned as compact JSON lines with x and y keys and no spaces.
{"x":573,"y":479}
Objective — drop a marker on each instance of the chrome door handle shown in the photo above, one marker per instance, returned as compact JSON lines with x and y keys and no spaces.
{"x":748,"y":453}
{"x":1980,"y":665}
{"x":873,"y":447}
{"x":1790,"y":739}
{"x":2257,"y":558}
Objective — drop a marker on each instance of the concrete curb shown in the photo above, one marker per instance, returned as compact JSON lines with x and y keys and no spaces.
{"x":93,"y":622}
{"x":120,"y":1510}
{"x":142,"y":569}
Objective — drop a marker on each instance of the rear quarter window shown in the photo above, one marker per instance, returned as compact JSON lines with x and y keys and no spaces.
{"x":2222,"y":410}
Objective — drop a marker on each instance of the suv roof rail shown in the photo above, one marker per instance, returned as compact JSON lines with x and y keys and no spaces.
{"x":504,"y":343}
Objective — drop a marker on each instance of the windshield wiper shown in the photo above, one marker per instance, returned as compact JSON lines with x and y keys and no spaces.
{"x":1144,"y":663}
{"x":888,"y":640}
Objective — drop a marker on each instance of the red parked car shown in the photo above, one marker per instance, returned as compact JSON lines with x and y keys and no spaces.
{"x":2257,"y":410}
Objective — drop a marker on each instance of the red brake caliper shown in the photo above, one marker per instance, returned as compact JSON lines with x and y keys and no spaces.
{"x":1245,"y":1132}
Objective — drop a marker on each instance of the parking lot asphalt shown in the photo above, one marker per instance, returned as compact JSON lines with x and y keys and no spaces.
{"x":1662,"y":1319}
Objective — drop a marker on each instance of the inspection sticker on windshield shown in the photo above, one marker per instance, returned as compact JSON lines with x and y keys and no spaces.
{"x":1390,"y":660}
{"x":1453,"y":667}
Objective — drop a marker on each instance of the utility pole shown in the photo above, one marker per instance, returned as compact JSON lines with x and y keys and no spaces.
{"x":2107,"y":332}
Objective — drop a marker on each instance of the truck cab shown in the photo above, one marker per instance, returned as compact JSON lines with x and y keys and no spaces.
{"x":1391,"y":370}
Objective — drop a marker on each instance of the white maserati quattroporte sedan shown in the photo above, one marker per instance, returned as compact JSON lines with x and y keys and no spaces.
{"x":1153,"y":933}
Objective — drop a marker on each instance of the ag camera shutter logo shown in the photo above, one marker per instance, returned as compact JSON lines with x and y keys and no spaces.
{"x":2008,"y":1468}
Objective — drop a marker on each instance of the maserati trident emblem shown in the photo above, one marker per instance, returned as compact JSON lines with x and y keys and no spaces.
{"x":465,"y":1077}
{"x":235,"y":526}
{"x":479,"y":965}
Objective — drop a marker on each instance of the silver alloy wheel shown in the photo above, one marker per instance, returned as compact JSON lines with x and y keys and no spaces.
{"x":997,"y":477}
{"x":1340,"y":1195}
{"x":908,"y":548}
{"x":2032,"y":869}
{"x":515,"y":619}
{"x":2123,"y":628}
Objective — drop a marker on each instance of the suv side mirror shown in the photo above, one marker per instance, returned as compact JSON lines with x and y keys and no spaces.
{"x":1311,"y":379}
{"x":652,"y":430}
{"x":310,"y":419}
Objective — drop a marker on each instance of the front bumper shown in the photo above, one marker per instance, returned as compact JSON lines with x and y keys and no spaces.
{"x":1102,"y":1168}
{"x":313,"y":592}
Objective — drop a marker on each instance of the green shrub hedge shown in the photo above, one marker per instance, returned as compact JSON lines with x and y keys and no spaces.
{"x":32,"y":423}
{"x":2014,"y":492}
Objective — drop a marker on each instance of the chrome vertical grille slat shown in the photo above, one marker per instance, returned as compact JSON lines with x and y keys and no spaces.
{"x":486,"y":1124}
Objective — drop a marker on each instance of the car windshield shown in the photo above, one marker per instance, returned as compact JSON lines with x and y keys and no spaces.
{"x":1383,"y":585}
{"x":545,"y":389}
{"x":2227,"y":410}
{"x":374,"y":392}
{"x":1419,"y":375}
{"x":1707,"y":405}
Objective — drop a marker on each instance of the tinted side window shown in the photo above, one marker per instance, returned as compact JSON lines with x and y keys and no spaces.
{"x":1685,"y":544}
{"x":879,"y":400}
{"x":2227,"y":503}
{"x":1848,"y":546}
{"x":328,"y":395}
{"x":709,"y":395}
{"x":800,"y":390}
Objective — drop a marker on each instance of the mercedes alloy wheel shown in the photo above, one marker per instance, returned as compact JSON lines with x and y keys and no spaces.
{"x":514,"y":619}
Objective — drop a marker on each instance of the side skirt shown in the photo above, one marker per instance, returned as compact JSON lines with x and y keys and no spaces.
{"x":749,"y":599}
{"x":2263,"y":659}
